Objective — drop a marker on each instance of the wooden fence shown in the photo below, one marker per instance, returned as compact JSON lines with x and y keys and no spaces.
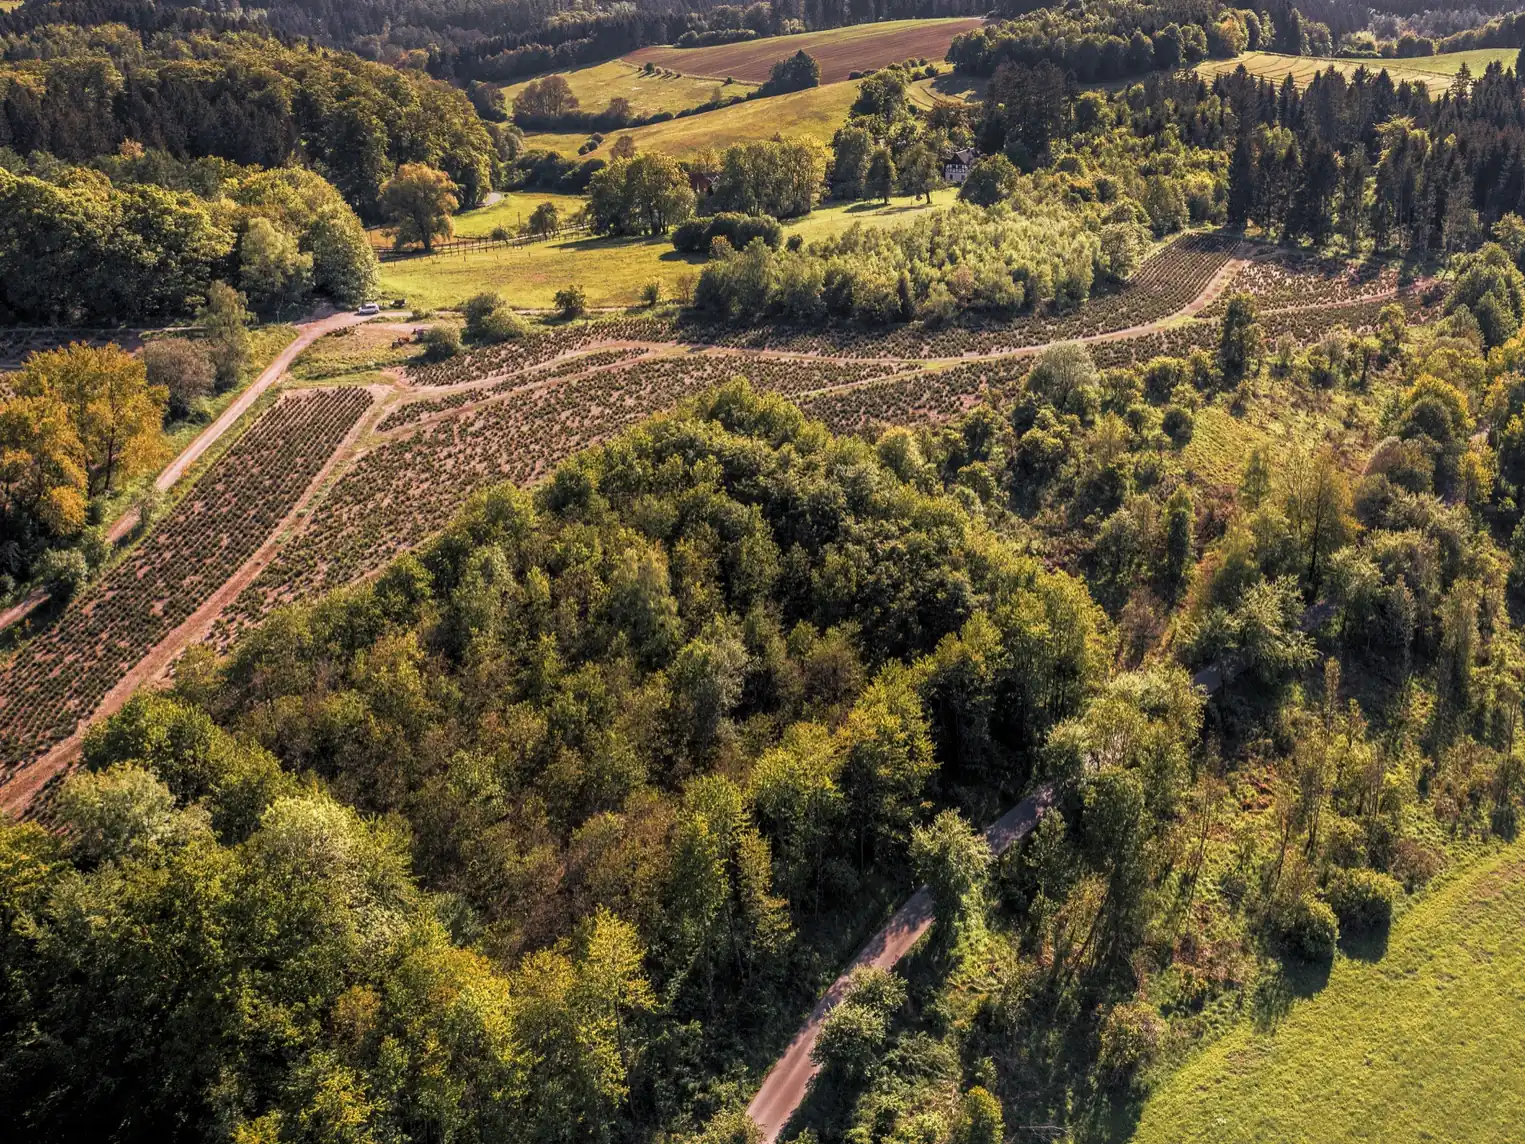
{"x":470,"y":245}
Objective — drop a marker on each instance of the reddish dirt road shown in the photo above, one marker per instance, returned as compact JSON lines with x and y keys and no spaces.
{"x":784,"y":1088}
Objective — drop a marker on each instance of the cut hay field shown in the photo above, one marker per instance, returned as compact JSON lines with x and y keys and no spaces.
{"x":611,"y":270}
{"x":839,"y":51}
{"x":1434,"y":71}
{"x":1425,"y":1044}
{"x":816,"y":113}
{"x":665,"y":90}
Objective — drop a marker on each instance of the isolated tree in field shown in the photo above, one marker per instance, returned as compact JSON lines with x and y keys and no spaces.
{"x":226,"y":322}
{"x":919,"y":174}
{"x":1239,"y":342}
{"x":273,"y":271}
{"x":419,"y":200}
{"x":881,"y":175}
{"x":183,"y":368}
{"x":648,"y":194}
{"x":954,"y":861}
{"x":544,"y":220}
{"x":796,"y":73}
{"x":623,"y":148}
{"x":991,"y":180}
{"x":571,"y":302}
{"x":883,"y":94}
{"x":545,"y":98}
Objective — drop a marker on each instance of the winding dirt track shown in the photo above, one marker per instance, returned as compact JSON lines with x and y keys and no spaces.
{"x":307,"y":333}
{"x":784,"y":1088}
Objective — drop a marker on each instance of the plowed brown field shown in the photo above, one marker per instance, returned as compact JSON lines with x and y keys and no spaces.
{"x":838,"y":50}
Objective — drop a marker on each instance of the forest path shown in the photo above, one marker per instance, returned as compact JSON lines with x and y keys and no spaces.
{"x":784,"y":1088}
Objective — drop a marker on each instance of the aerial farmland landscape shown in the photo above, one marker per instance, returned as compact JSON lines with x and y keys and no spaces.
{"x":690,"y":573}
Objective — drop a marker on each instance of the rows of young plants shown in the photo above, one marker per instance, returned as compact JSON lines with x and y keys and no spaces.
{"x":928,"y":395}
{"x":1286,"y":279}
{"x":416,"y":411}
{"x":408,"y":488}
{"x":536,"y":349}
{"x":59,"y":678}
{"x":1309,"y":325}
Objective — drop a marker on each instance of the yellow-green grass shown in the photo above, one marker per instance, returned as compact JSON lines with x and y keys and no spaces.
{"x":611,"y":270}
{"x":1425,"y":1044}
{"x":838,"y":51}
{"x":1434,"y":71}
{"x":512,"y":211}
{"x":815,"y":113}
{"x":665,"y":90}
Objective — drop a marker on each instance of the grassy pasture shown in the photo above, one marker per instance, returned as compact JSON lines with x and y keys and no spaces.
{"x":1426,"y":1043}
{"x":1434,"y":71}
{"x":839,"y":51}
{"x":611,"y":270}
{"x":512,"y":210}
{"x":816,"y":112}
{"x":595,"y":86}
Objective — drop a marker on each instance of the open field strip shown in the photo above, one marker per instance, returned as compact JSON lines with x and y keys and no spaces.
{"x":611,"y":270}
{"x":512,"y":211}
{"x":1434,"y":71}
{"x":1427,"y":1044}
{"x":814,"y":113}
{"x":839,"y":51}
{"x":664,"y":90}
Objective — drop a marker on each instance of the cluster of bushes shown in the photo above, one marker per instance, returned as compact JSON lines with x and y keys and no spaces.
{"x":697,"y":236}
{"x":1005,"y":260}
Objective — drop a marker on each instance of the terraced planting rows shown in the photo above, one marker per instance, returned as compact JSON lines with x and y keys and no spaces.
{"x":1283,"y":281}
{"x":537,"y":349}
{"x":60,"y":677}
{"x":403,"y":490}
{"x":416,"y":411}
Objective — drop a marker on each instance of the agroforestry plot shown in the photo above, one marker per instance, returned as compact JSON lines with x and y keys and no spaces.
{"x":58,"y":678}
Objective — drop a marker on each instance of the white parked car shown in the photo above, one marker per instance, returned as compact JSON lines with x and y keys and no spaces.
{"x":369,"y":308}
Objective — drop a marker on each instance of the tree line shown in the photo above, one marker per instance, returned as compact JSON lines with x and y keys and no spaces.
{"x":244,"y":98}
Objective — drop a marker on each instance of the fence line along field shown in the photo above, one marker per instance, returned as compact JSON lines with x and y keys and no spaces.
{"x":839,"y":51}
{"x":1436,"y":72}
{"x":59,"y":677}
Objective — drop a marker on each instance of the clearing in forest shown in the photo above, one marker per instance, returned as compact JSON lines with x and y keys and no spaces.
{"x":648,"y":92}
{"x":1425,"y":1043}
{"x":814,"y":113}
{"x":1434,"y":71}
{"x":839,"y":51}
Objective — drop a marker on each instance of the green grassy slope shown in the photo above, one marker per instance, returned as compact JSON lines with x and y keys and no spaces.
{"x":595,"y":86}
{"x":1425,"y":1044}
{"x":1435,"y":71}
{"x":816,"y":113}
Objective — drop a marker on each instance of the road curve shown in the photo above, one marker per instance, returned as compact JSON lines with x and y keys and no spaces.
{"x":784,"y":1088}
